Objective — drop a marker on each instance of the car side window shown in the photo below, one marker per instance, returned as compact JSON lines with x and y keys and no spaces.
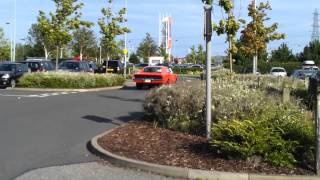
{"x":170,"y":71}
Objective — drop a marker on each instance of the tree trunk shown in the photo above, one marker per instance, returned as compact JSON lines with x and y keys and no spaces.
{"x":81,"y":53}
{"x":57,"y":58}
{"x":46,"y":53}
{"x":230,"y":55}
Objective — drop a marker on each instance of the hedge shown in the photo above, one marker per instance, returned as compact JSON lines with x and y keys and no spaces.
{"x":69,"y":80}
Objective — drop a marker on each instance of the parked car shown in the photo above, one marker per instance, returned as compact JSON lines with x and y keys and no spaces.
{"x":303,"y":74}
{"x":278,"y":71}
{"x":142,"y":65}
{"x":10,"y":73}
{"x":75,"y":66}
{"x":154,"y":75}
{"x":93,"y":66}
{"x":309,"y":65}
{"x":114,"y":66}
{"x":39,"y":65}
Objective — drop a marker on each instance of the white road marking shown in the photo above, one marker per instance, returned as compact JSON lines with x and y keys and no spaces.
{"x":38,"y":95}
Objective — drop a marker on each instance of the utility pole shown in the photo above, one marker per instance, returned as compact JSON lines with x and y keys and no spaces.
{"x":208,"y":35}
{"x":255,"y":56}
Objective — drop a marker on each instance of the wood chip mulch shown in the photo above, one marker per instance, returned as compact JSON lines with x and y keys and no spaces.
{"x":142,"y":141}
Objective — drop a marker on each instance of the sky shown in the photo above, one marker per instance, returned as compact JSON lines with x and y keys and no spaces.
{"x":295,"y":18}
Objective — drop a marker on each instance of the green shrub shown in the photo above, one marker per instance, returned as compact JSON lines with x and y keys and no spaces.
{"x":179,"y":107}
{"x":189,"y":71}
{"x":249,"y":119}
{"x":282,"y":134}
{"x":69,"y":80}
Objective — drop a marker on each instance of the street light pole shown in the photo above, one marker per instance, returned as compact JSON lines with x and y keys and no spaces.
{"x":255,"y":56}
{"x":208,"y":35}
{"x":125,"y":43}
{"x":11,"y":42}
{"x":14,"y":31}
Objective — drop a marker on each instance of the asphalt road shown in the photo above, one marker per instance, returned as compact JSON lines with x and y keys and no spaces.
{"x":43,"y":129}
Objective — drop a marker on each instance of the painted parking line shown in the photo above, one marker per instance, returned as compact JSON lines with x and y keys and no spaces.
{"x":44,"y":95}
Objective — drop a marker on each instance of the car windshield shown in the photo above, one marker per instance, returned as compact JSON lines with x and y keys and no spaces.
{"x":7,"y":67}
{"x":278,"y":70}
{"x":152,"y":69}
{"x":69,"y":65}
{"x":113,"y":64}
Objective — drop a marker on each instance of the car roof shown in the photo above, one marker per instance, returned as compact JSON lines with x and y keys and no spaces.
{"x":8,"y":62}
{"x":277,"y":68}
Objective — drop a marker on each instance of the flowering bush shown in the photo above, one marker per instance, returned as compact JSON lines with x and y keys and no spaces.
{"x":69,"y":80}
{"x":249,"y":119}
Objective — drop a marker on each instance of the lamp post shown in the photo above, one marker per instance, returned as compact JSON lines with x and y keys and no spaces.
{"x":14,"y":31}
{"x":125,"y":43}
{"x":11,"y":42}
{"x":208,"y":35}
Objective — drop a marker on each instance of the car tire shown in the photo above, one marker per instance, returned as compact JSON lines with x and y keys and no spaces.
{"x":13,"y":83}
{"x":139,"y":86}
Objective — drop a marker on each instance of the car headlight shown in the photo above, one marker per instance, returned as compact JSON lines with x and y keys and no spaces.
{"x":6,"y":76}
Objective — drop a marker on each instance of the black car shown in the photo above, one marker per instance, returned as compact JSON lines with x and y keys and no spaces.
{"x":75,"y":66}
{"x":10,"y":73}
{"x":39,"y":65}
{"x":114,"y":66}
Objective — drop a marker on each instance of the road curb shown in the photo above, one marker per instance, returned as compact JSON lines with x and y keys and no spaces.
{"x":178,"y":172}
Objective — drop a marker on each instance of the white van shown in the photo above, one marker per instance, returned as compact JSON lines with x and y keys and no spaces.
{"x":309,"y":65}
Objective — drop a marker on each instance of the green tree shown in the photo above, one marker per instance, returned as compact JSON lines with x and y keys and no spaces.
{"x":4,"y":47}
{"x":311,"y":52}
{"x":84,"y":41}
{"x":163,"y":53}
{"x":196,"y":56}
{"x":230,"y":27}
{"x":256,"y":35}
{"x":147,"y":48}
{"x":134,"y":58}
{"x":192,"y":56}
{"x":282,"y":54}
{"x":40,"y":35}
{"x":64,"y":20}
{"x":110,"y":28}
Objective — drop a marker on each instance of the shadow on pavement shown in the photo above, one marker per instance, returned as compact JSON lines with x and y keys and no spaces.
{"x":132,"y":116}
{"x":122,"y":99}
{"x":99,"y":119}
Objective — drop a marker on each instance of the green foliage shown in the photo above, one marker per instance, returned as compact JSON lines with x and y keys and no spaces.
{"x":134,"y":58}
{"x":282,"y":54}
{"x":147,"y":48}
{"x":256,"y":35}
{"x":4,"y":47}
{"x":311,"y":52}
{"x":189,"y":71}
{"x":177,"y":107}
{"x":84,"y":43}
{"x":163,"y":53}
{"x":69,"y":80}
{"x":249,"y":117}
{"x":196,"y":56}
{"x":110,"y":28}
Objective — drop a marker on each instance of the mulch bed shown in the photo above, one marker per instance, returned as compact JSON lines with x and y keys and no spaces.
{"x":142,"y":141}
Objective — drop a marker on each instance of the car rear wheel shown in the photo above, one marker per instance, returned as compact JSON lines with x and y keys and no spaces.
{"x":13,"y":83}
{"x":139,"y":86}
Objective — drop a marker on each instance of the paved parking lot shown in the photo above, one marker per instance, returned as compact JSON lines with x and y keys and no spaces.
{"x":43,"y":129}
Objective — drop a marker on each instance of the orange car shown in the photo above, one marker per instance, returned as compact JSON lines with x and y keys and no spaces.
{"x":154,"y":75}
